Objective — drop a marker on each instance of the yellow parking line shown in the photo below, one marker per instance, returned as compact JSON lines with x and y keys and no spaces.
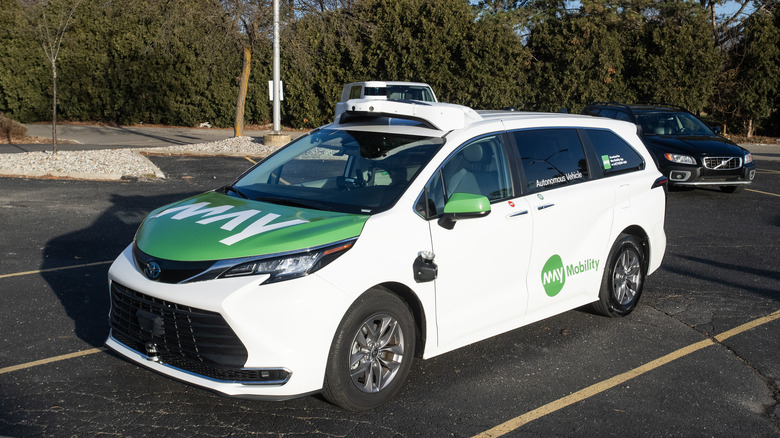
{"x":51,"y":359}
{"x":763,"y":193}
{"x":767,"y":171}
{"x":597,"y":388}
{"x":251,"y":160}
{"x":62,"y":268}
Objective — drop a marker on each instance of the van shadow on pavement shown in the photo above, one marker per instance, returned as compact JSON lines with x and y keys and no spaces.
{"x":83,"y":292}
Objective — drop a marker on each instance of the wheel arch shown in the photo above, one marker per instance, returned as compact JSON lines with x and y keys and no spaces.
{"x":639,"y":233}
{"x":418,"y":313}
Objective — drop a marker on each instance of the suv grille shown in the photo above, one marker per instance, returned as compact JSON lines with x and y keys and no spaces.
{"x":188,"y":338}
{"x":722,"y":163}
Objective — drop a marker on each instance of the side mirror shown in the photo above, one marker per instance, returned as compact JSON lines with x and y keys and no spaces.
{"x":463,"y":206}
{"x":717,"y":129}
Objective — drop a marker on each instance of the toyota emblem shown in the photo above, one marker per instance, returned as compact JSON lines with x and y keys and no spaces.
{"x":152,"y":270}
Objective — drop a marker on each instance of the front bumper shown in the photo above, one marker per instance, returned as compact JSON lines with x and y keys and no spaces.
{"x":681,"y":175}
{"x":232,"y":336}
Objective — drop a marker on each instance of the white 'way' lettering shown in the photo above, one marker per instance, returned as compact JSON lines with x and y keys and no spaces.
{"x":194,"y":210}
{"x":213,"y":214}
{"x":260,"y":226}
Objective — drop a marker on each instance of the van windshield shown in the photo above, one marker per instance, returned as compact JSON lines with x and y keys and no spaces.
{"x":357,"y":172}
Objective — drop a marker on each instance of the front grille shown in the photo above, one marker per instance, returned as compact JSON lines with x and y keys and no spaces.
{"x":722,"y":163}
{"x":194,"y":340}
{"x":170,"y":271}
{"x":710,"y":178}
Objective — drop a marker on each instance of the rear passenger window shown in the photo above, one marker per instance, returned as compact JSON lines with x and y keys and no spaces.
{"x":615,"y":154}
{"x":551,"y":158}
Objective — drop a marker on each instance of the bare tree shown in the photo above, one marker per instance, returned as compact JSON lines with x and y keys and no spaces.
{"x":728,"y":26}
{"x":50,"y":20}
{"x":249,"y":18}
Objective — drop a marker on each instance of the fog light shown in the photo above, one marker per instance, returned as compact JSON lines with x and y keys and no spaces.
{"x":679,"y":175}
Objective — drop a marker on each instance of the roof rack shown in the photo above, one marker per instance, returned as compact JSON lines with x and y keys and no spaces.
{"x":436,"y":115}
{"x":633,"y":105}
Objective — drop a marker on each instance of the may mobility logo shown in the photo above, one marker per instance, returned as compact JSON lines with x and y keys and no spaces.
{"x":554,"y":273}
{"x":234,"y":219}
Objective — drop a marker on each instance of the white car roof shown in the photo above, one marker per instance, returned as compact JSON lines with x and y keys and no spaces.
{"x":385,"y":83}
{"x":446,"y":117}
{"x":440,"y":116}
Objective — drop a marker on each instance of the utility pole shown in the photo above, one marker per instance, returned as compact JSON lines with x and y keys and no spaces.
{"x":276,"y":138}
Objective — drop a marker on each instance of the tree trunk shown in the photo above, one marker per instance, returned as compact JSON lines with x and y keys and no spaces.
{"x":750,"y":128}
{"x":238,"y":126}
{"x":54,"y":108}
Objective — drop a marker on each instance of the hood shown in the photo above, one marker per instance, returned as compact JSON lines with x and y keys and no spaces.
{"x":213,"y":226}
{"x":703,"y":145}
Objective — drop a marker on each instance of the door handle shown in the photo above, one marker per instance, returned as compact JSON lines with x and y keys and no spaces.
{"x":542,"y":207}
{"x":519,"y":213}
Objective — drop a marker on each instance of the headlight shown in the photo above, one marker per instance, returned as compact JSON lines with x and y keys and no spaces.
{"x":680,"y":159}
{"x":748,"y":158}
{"x":289,"y":266}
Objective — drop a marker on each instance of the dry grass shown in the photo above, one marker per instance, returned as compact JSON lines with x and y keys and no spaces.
{"x":756,"y":139}
{"x":11,"y":130}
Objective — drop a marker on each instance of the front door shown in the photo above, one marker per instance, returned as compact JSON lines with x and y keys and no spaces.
{"x":480,"y":289}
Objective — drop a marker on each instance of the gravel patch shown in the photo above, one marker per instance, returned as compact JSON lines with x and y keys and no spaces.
{"x":113,"y":164}
{"x":232,"y":147}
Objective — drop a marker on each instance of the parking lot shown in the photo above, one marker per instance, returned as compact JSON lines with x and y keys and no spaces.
{"x":699,"y":357}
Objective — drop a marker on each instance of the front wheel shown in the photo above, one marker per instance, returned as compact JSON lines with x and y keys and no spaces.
{"x":623,"y":278}
{"x":371,"y":352}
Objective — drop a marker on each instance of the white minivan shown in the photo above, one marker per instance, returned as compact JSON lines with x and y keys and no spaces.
{"x":401,"y":229}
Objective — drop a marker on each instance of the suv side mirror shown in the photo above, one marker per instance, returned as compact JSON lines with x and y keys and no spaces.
{"x":717,"y":129}
{"x":463,"y":206}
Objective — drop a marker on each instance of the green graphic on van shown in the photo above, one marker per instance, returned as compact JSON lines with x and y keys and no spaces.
{"x":214,"y":226}
{"x":554,"y":274}
{"x":605,"y":162}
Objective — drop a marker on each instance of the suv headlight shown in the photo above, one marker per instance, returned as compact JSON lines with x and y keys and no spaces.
{"x":680,"y":159}
{"x":748,"y":158}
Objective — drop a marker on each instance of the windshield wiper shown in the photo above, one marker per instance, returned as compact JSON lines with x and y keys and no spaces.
{"x":291,"y":203}
{"x":229,"y":188}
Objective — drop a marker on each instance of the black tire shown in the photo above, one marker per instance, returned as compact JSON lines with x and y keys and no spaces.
{"x":732,"y":189}
{"x":376,"y":336}
{"x":623,"y":279}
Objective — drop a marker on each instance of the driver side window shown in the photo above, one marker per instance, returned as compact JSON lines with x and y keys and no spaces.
{"x":479,"y":168}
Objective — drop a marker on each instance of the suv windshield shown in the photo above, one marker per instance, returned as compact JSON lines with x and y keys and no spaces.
{"x":347,"y":171}
{"x":671,"y":123}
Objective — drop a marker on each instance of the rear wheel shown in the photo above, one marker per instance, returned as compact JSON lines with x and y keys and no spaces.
{"x":371,"y":353}
{"x":623,"y":278}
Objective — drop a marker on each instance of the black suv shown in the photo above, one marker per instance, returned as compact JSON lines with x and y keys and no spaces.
{"x":685,"y":149}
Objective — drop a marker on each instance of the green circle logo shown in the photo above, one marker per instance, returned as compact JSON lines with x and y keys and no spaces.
{"x":553,"y":275}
